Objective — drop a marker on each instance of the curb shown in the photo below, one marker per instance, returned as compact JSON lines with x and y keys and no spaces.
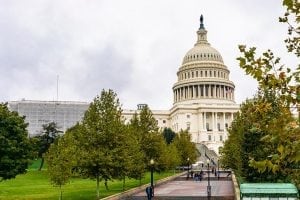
{"x":128,"y":193}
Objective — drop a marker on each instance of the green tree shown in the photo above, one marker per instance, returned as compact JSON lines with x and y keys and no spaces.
{"x":249,"y":137}
{"x":280,"y":135}
{"x":101,"y":139}
{"x":15,"y":149}
{"x":186,"y":148}
{"x":169,"y":135}
{"x":61,"y":161}
{"x":43,"y":141}
{"x":137,"y":167}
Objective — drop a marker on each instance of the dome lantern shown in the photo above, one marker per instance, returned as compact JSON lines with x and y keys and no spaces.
{"x":202,"y":33}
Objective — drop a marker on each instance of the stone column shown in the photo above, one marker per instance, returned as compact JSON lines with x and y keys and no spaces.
{"x":224,"y":114}
{"x":204,"y":121}
{"x":213,"y":121}
{"x":200,"y":121}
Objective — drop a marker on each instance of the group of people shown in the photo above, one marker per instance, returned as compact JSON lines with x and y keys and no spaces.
{"x":198,"y":176}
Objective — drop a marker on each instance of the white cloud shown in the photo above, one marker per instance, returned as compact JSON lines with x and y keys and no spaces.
{"x":134,"y":47}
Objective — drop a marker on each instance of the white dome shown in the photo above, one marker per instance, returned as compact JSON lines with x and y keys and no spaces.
{"x":202,"y":52}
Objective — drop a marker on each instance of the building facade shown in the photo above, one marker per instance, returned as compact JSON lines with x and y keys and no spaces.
{"x":65,"y":113}
{"x":203,"y":100}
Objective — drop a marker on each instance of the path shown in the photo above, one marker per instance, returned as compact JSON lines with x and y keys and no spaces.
{"x":181,"y":188}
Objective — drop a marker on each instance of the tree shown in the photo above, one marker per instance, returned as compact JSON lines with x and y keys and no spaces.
{"x":15,"y":149}
{"x":281,"y":135}
{"x":185,"y":147}
{"x":169,"y":135}
{"x":100,"y":141}
{"x":136,"y":167}
{"x":61,"y":161}
{"x":249,"y":137}
{"x":48,"y":136}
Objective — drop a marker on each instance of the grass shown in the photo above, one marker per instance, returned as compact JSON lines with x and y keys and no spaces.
{"x":35,"y":185}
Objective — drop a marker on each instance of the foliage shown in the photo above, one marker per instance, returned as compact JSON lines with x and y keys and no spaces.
{"x":15,"y":149}
{"x":152,"y":142}
{"x":251,"y":136}
{"x":186,"y":149}
{"x":60,"y":159}
{"x":100,"y":140}
{"x":43,"y":141}
{"x":169,"y":135}
{"x":269,"y":136}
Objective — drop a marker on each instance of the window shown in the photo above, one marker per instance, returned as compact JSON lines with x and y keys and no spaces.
{"x":209,"y":137}
{"x":219,"y":126}
{"x":188,"y":116}
{"x":188,"y":126}
{"x":164,"y":121}
{"x":226,"y":125}
{"x":221,"y":137}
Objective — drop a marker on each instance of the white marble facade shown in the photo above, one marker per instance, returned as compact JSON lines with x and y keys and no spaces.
{"x":203,"y":96}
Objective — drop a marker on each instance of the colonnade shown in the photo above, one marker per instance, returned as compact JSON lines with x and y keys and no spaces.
{"x":203,"y":91}
{"x":209,"y":120}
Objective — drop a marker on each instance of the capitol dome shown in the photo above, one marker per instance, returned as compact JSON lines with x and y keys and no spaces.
{"x":203,"y":75}
{"x":202,"y":52}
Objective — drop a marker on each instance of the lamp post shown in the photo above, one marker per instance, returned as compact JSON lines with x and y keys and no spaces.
{"x":188,"y":162}
{"x":208,"y":181}
{"x":152,"y":186}
{"x":218,"y":169}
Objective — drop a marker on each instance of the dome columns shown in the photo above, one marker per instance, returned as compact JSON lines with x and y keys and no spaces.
{"x":203,"y":91}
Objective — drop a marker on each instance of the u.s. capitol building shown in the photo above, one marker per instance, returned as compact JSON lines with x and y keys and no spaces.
{"x":203,"y":100}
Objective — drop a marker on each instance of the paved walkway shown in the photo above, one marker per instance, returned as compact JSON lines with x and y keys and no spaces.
{"x":181,"y":187}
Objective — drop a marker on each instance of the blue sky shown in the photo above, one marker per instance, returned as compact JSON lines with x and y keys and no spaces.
{"x":134,"y":47}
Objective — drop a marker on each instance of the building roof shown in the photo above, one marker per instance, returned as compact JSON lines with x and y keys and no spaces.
{"x":202,"y":50}
{"x":268,"y":189}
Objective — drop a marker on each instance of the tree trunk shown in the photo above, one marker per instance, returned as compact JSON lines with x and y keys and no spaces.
{"x":124,"y":183}
{"x":105,"y":183}
{"x":42,"y":164}
{"x":60,"y":192}
{"x":140,"y":179}
{"x":98,"y":193}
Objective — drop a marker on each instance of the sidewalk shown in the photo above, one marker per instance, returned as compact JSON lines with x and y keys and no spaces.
{"x":183,"y":188}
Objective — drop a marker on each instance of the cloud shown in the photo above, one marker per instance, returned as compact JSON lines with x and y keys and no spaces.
{"x":134,"y":47}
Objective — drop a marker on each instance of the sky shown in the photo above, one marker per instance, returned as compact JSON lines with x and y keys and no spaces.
{"x":134,"y":47}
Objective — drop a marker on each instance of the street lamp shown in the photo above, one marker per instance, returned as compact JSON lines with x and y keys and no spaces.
{"x":152,"y":186}
{"x":188,"y":162}
{"x":218,"y":169}
{"x":208,"y":183}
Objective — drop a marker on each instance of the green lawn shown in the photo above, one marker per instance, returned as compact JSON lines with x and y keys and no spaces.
{"x":36,"y":185}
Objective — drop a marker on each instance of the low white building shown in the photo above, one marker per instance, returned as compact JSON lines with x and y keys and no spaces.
{"x":203,"y":100}
{"x":65,"y":113}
